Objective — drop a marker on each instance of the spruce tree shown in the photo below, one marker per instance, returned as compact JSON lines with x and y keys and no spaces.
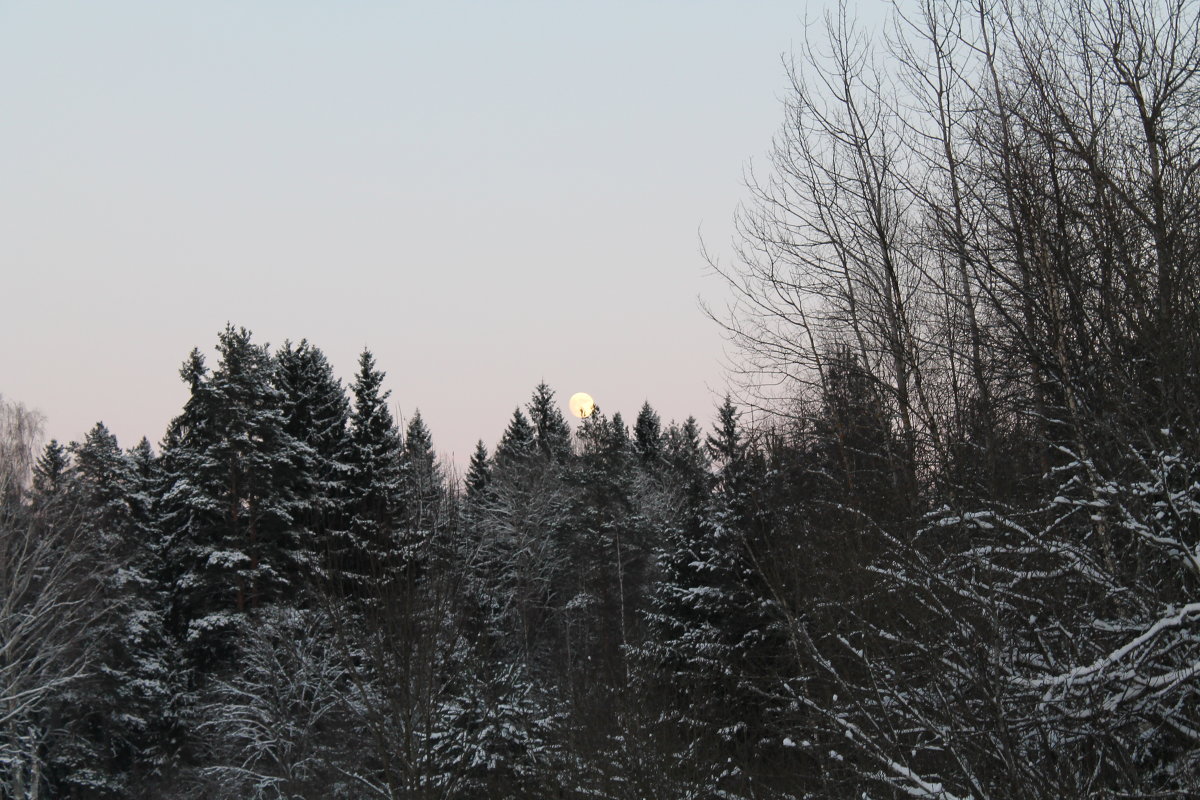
{"x":518,"y":442}
{"x":159,"y":679}
{"x":706,"y":616}
{"x":147,"y":474}
{"x":687,"y":465}
{"x":479,"y":475}
{"x":648,"y":436}
{"x":550,"y":429}
{"x":517,"y":560}
{"x":50,"y":472}
{"x":105,"y":479}
{"x":422,"y":475}
{"x":477,"y":503}
{"x":317,"y":413}
{"x":426,"y":518}
{"x":368,"y":553}
{"x":231,"y":503}
{"x":608,"y":548}
{"x":728,"y":450}
{"x":109,"y":741}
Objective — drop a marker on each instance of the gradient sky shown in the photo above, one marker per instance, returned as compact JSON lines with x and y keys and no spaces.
{"x":485,"y":194}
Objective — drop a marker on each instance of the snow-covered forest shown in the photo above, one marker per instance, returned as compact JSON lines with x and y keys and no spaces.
{"x":954,"y":552}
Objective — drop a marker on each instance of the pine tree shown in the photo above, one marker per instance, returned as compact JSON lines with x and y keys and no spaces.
{"x":648,"y":436}
{"x":499,"y":737}
{"x":50,"y":472}
{"x":516,"y":559}
{"x":231,"y":504}
{"x":609,"y":551}
{"x":183,"y":513}
{"x":146,"y":473}
{"x":478,"y":502}
{"x":368,"y":553}
{"x":158,"y":678}
{"x":550,"y":429}
{"x":105,"y":480}
{"x":317,"y":413}
{"x":518,"y":442}
{"x":426,"y":517}
{"x":109,"y":741}
{"x":706,"y":618}
{"x":423,"y":483}
{"x":687,"y":465}
{"x":479,"y":475}
{"x":617,"y":443}
{"x":605,"y":447}
{"x":729,"y":452}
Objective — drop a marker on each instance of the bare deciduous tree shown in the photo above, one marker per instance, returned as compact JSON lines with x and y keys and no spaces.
{"x":44,"y":606}
{"x":995,"y":220}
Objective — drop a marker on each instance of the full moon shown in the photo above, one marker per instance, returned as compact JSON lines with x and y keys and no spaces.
{"x":581,"y":404}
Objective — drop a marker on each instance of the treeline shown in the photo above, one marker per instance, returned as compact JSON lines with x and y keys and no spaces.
{"x":291,"y":599}
{"x":960,"y":558}
{"x":971,"y":279}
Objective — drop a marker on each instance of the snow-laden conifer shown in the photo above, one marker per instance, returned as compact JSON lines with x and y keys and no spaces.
{"x":317,"y":413}
{"x":369,"y":552}
{"x":231,"y":506}
{"x":112,"y":740}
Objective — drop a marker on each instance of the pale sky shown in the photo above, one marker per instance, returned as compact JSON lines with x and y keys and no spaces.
{"x":485,"y":194}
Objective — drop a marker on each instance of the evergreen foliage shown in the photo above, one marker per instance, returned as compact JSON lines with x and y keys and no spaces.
{"x":117,"y":746}
{"x":317,"y":414}
{"x":550,"y":430}
{"x":422,"y":476}
{"x":648,"y":436}
{"x":369,"y":552}
{"x":952,"y":554}
{"x":479,"y":475}
{"x":230,"y":509}
{"x":50,"y":471}
{"x":517,"y":444}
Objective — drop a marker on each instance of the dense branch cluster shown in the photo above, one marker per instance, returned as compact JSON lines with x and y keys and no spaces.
{"x":971,"y":281}
{"x":292,"y":599}
{"x":958,"y":557}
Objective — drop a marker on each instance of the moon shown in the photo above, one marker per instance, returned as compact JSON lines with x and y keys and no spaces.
{"x":581,"y":404}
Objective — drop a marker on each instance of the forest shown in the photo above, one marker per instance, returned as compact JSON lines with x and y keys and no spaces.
{"x":953,"y":552}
